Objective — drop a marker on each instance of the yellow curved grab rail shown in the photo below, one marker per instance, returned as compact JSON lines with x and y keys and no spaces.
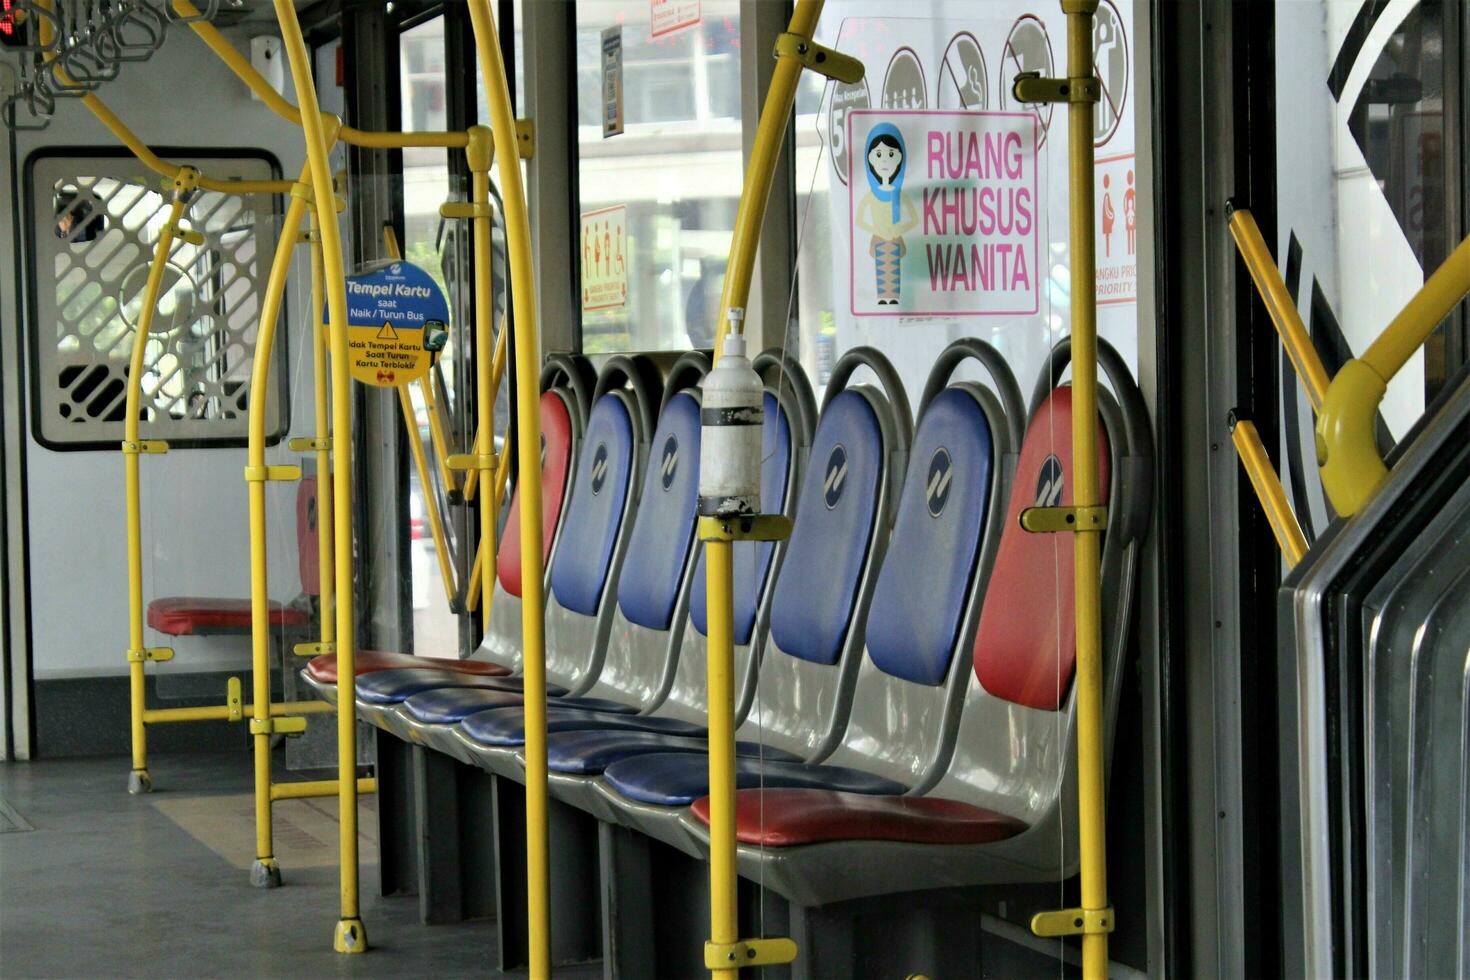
{"x":1347,"y":449}
{"x":246,"y":72}
{"x":528,"y":446}
{"x":350,"y":936}
{"x":265,"y":869}
{"x":1268,"y":489}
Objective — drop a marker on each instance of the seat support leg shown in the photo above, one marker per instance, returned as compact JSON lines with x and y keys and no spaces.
{"x":574,"y":899}
{"x":628,"y":946}
{"x":397,"y":816}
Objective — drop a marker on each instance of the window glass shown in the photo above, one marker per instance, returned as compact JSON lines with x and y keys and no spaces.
{"x":1369,"y":149}
{"x":658,"y":200}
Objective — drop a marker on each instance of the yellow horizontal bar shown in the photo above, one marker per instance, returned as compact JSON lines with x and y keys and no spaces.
{"x":220,"y":712}
{"x":1268,"y":489}
{"x":316,"y":788}
{"x":1280,"y":305}
{"x":246,"y":72}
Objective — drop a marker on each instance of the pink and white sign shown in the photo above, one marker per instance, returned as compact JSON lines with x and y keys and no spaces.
{"x":1116,"y":193}
{"x":944,"y":213}
{"x":669,"y":16}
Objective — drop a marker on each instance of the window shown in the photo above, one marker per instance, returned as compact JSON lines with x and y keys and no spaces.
{"x":658,"y":201}
{"x":94,"y":224}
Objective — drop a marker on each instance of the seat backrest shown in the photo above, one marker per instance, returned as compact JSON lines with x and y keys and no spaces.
{"x":652,"y":585}
{"x":1014,"y":744}
{"x":603,"y":490}
{"x":558,"y":446}
{"x":752,"y":564}
{"x":808,"y":667}
{"x":911,"y":681}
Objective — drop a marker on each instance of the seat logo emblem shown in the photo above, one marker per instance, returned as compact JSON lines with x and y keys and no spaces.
{"x":599,"y":467}
{"x":937,"y":483}
{"x":836,"y":477}
{"x":1051,"y":483}
{"x":543,"y":451}
{"x":670,"y":462}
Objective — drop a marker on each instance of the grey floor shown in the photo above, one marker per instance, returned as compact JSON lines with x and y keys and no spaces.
{"x":107,"y":885}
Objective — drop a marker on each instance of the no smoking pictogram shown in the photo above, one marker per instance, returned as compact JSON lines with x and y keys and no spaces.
{"x":963,"y":79}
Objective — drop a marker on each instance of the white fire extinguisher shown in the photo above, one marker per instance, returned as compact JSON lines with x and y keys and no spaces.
{"x":730,"y":431}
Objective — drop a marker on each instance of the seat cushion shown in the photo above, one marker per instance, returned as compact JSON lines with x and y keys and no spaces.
{"x":787,"y":817}
{"x":393,"y":686}
{"x":507,"y":726}
{"x":452,"y":705}
{"x":588,"y":753}
{"x":324,"y":668}
{"x":678,"y":779}
{"x":193,"y":616}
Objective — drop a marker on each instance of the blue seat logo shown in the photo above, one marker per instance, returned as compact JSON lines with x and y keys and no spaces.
{"x":670,"y":464}
{"x":599,"y":467}
{"x":543,"y":452}
{"x":1051,"y":483}
{"x":836,"y":477}
{"x":938,"y":481}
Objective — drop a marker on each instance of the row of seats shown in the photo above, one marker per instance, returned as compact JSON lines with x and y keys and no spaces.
{"x":904,"y":661}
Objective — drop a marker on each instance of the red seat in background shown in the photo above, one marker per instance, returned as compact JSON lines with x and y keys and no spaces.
{"x":192,"y":616}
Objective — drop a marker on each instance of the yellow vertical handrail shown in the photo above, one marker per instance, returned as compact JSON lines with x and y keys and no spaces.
{"x":349,"y":936}
{"x":760,"y":172}
{"x":1268,"y":489}
{"x":477,"y":569}
{"x":528,"y":446}
{"x":1347,"y":447}
{"x":324,"y":510}
{"x":497,"y":370}
{"x":420,"y":463}
{"x":139,"y":781}
{"x":1278,"y":302}
{"x":264,"y":872}
{"x":435,"y":411}
{"x":1092,"y":810}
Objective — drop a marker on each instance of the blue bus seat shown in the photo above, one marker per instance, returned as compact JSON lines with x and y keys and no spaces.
{"x":588,"y":753}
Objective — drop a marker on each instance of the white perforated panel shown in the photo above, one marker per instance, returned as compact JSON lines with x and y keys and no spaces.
{"x":94,"y":223}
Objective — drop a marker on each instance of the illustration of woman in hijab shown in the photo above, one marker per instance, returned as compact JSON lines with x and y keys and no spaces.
{"x":883,"y":213}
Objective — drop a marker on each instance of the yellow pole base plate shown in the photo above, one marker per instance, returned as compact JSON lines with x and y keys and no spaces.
{"x":350,"y":936}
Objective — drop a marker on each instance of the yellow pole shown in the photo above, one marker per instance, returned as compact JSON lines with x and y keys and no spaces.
{"x":350,"y":936}
{"x":759,"y":173}
{"x":439,"y":440}
{"x":420,"y":464}
{"x":1279,"y":304}
{"x":1092,"y":811}
{"x":139,"y":780}
{"x":497,"y":369}
{"x":317,"y":788}
{"x":528,"y":446}
{"x":264,"y":873}
{"x":325,"y":527}
{"x":223,"y":712}
{"x":1268,"y":489}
